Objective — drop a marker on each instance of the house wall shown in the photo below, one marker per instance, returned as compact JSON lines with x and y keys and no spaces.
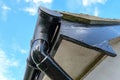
{"x":109,"y":69}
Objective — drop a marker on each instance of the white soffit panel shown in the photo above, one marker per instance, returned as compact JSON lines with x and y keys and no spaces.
{"x":74,"y":59}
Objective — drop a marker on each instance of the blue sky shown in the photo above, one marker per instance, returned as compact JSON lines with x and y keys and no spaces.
{"x":18,"y":20}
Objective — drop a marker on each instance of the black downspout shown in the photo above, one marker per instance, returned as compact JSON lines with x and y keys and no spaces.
{"x":39,"y":60}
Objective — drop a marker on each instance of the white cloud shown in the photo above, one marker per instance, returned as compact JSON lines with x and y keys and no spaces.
{"x":5,"y":65}
{"x":91,"y":2}
{"x":85,"y":6}
{"x":18,"y":1}
{"x":96,"y":12}
{"x":23,"y":51}
{"x":34,"y":4}
{"x":5,"y":7}
{"x":74,"y":5}
{"x":4,"y":11}
{"x":37,"y":1}
{"x":17,"y":47}
{"x":31,"y":10}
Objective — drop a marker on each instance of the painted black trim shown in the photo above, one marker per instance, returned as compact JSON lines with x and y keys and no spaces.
{"x":39,"y":60}
{"x":87,"y":45}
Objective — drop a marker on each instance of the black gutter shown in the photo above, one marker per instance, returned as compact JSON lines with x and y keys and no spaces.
{"x":39,"y":60}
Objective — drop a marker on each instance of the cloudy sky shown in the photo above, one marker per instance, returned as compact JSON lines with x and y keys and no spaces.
{"x":17,"y":23}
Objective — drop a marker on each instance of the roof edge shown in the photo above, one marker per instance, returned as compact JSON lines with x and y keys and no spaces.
{"x":88,"y":19}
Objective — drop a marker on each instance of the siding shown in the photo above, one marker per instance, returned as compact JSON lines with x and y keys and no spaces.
{"x":109,"y":69}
